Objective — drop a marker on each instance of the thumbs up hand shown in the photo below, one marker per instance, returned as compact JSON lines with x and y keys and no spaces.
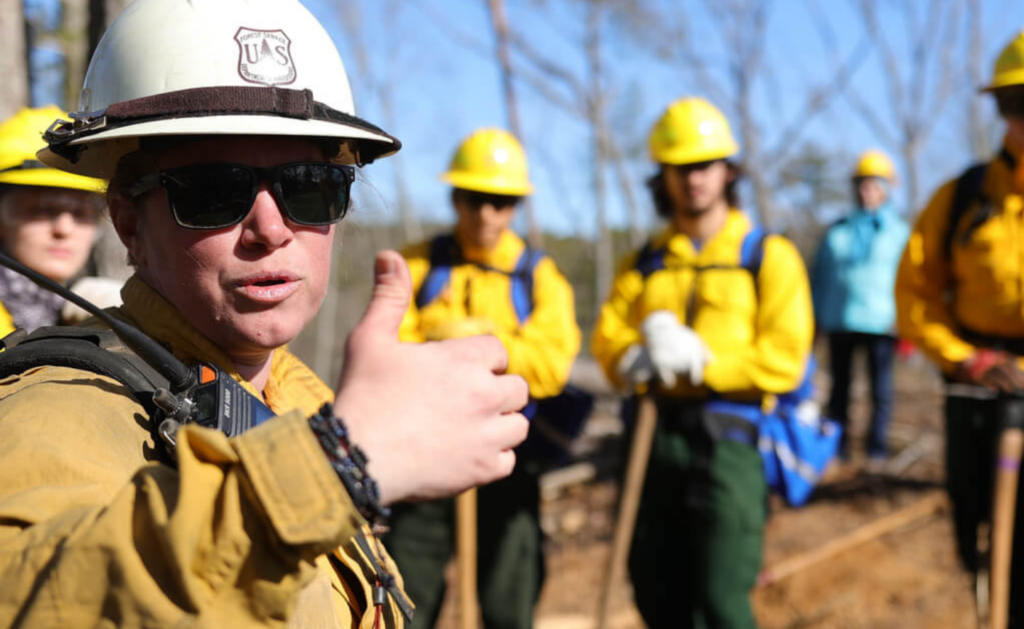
{"x":434,"y":418}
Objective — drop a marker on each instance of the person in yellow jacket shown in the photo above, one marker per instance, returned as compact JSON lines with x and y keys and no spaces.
{"x":48,"y":221}
{"x":958,"y":297}
{"x":483,"y":279}
{"x":230,"y":162}
{"x":693,"y":319}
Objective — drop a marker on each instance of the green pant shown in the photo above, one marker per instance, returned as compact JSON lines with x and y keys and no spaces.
{"x":696,"y":552}
{"x":972,"y":432}
{"x":509,"y":561}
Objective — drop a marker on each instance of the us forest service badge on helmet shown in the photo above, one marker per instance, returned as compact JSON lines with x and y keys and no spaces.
{"x":265,"y":57}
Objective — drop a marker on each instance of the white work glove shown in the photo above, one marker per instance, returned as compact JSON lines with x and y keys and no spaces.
{"x":674,"y":348}
{"x":635,"y":366}
{"x":101,"y":291}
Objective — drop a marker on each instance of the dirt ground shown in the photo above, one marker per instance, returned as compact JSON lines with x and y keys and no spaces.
{"x":908,"y":578}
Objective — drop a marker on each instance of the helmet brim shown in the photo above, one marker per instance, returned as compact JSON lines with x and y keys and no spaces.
{"x":101,"y":151}
{"x":50,"y":178}
{"x":488,"y":184}
{"x":686,"y":155}
{"x":1012,"y":78}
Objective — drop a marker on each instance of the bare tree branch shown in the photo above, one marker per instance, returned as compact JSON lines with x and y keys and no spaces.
{"x":543,"y":62}
{"x":819,"y":99}
{"x":448,"y":28}
{"x":889,"y":61}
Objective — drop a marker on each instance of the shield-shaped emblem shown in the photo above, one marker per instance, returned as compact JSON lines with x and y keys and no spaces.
{"x":265,"y":57}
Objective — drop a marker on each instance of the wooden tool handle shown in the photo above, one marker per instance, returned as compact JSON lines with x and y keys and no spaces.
{"x":1004,"y":506}
{"x":465,"y":555}
{"x":636,"y":471}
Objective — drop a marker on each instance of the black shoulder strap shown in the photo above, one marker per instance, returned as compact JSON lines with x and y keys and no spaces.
{"x":444,"y":253}
{"x":968,"y":190}
{"x":650,"y":260}
{"x":96,"y":351}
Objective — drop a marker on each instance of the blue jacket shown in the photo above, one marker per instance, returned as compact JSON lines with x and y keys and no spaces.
{"x":854,"y":273}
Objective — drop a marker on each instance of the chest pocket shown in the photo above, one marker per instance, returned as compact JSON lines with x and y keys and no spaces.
{"x":445,"y":254}
{"x":725,"y":291}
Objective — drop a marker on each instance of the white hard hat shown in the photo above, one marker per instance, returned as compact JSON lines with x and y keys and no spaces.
{"x":211,"y":67}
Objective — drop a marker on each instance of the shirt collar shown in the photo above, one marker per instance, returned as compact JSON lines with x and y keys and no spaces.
{"x":736,"y":226}
{"x":504,"y":255}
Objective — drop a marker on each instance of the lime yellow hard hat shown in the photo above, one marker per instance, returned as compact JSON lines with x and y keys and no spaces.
{"x":691,"y":131}
{"x":492,"y":161}
{"x":874,"y":163}
{"x":21,"y":137}
{"x":1009,"y":68}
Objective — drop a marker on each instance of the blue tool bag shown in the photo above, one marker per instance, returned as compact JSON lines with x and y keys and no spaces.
{"x":797,"y":443}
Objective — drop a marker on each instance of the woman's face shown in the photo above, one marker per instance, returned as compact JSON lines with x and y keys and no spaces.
{"x":50,"y":230}
{"x":250,"y":287}
{"x":872,"y":192}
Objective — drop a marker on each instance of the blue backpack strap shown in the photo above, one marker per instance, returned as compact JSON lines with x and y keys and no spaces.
{"x":752,"y":250}
{"x":444,"y":253}
{"x":521,"y":280}
{"x":650,"y":260}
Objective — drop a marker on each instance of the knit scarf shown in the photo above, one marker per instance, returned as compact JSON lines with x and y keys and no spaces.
{"x":31,"y":306}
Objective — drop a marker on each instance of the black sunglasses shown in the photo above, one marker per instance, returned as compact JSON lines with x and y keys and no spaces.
{"x":478,"y":199}
{"x":214,"y":196}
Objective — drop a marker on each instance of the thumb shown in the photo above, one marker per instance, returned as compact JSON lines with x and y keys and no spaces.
{"x":392,"y":289}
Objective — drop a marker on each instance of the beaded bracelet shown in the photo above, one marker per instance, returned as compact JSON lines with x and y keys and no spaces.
{"x":349,"y":463}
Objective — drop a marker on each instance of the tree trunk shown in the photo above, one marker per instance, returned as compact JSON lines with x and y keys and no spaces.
{"x":913,"y":183}
{"x":976,"y":53}
{"x":101,"y":15}
{"x":500,"y":24}
{"x":603,"y":254}
{"x":109,"y":254}
{"x":76,"y":49}
{"x":412,"y":229}
{"x":13,"y":59}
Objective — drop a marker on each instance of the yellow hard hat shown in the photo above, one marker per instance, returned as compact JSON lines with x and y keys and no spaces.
{"x":1009,"y":68}
{"x":21,"y":137}
{"x":691,"y":131}
{"x":492,"y":161}
{"x":875,"y":163}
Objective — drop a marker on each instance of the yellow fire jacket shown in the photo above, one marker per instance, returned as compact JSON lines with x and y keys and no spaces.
{"x":479,"y":301}
{"x":760,"y":334}
{"x":253,"y":531}
{"x":6,"y":322}
{"x":978,"y":287}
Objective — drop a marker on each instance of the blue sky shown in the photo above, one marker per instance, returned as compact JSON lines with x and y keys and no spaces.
{"x":437,"y":57}
{"x":445,"y":86}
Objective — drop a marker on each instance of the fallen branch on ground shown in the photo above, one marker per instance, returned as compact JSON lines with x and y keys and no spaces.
{"x":920,"y":509}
